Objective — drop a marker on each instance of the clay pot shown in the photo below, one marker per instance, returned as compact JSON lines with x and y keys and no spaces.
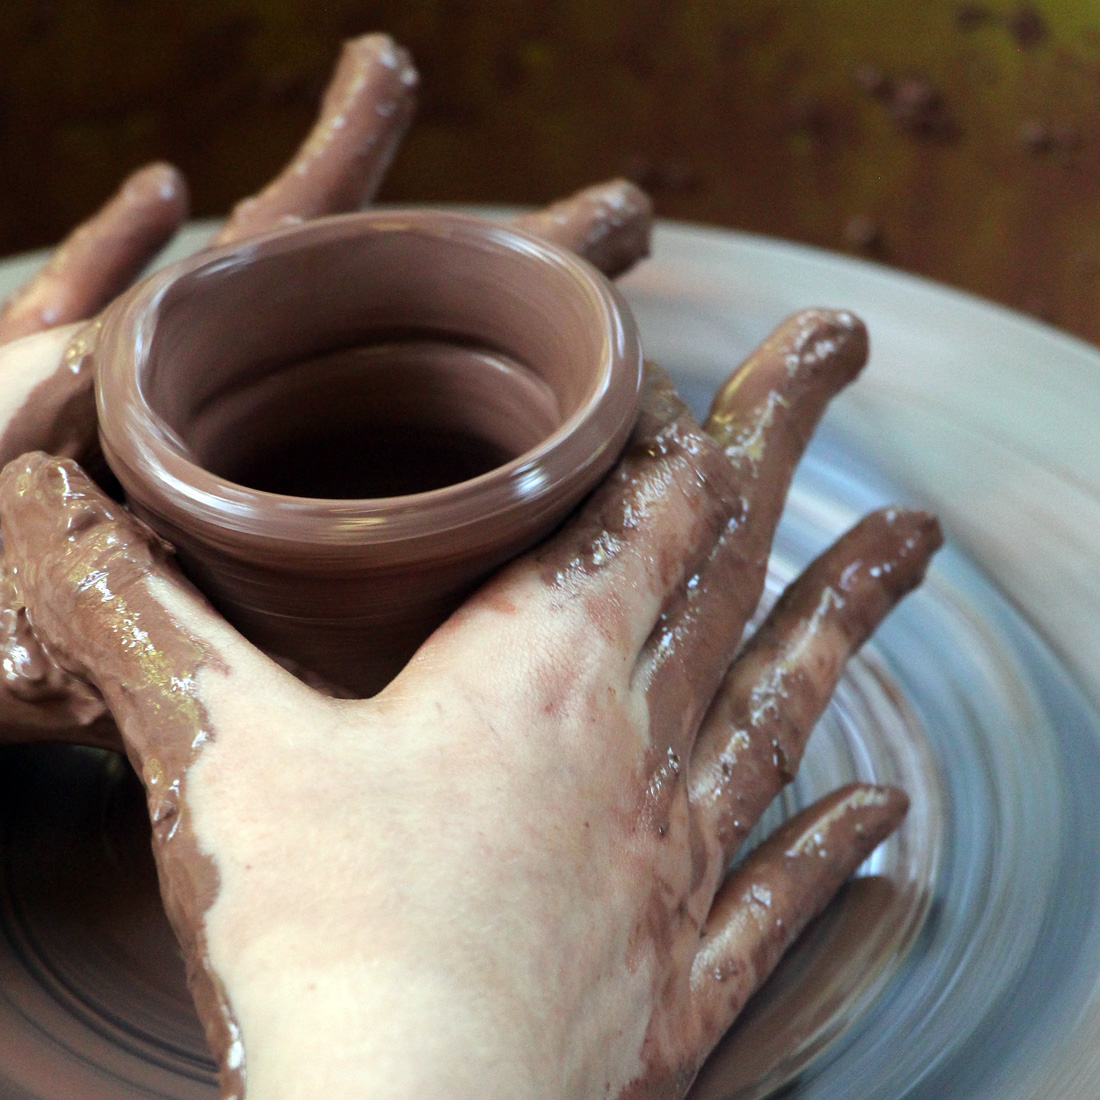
{"x":344,"y":426}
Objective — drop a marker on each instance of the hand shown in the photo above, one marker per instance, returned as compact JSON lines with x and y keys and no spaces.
{"x":48,"y":389}
{"x":505,"y":875}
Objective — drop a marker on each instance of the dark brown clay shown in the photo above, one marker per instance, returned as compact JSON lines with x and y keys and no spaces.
{"x":344,"y":426}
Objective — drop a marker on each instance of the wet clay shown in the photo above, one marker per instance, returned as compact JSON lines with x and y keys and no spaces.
{"x":48,"y":400}
{"x":40,"y":697}
{"x":375,"y":331}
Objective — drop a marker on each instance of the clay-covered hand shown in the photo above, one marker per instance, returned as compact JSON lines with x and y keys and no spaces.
{"x":46,"y":387}
{"x":505,"y":875}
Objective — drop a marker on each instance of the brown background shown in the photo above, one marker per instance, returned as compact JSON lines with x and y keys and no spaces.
{"x":956,"y":140}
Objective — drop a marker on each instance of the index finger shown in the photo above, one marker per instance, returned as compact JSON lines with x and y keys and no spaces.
{"x":366,"y":109}
{"x":761,"y":420}
{"x":101,"y":257}
{"x":609,"y":224}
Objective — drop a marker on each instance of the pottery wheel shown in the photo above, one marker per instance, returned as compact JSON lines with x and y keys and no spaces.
{"x":962,"y":961}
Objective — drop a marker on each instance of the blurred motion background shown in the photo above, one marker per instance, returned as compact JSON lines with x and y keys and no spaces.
{"x":956,"y":140}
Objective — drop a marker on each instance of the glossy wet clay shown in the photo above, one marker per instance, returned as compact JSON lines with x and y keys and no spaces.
{"x":344,"y":426}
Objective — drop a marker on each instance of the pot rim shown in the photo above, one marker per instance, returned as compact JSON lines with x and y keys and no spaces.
{"x":151,"y":463}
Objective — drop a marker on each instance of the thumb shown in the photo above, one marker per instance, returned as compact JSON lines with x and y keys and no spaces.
{"x":107,"y":604}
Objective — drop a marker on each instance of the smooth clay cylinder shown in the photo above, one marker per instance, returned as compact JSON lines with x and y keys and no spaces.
{"x":344,"y":426}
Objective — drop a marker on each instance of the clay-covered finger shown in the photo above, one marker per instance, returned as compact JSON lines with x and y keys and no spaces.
{"x":649,"y":524}
{"x":764,"y":416}
{"x":364,"y":114}
{"x":765,"y":903}
{"x":762,"y":420}
{"x":101,"y":257}
{"x":609,"y":224}
{"x":755,"y":732}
